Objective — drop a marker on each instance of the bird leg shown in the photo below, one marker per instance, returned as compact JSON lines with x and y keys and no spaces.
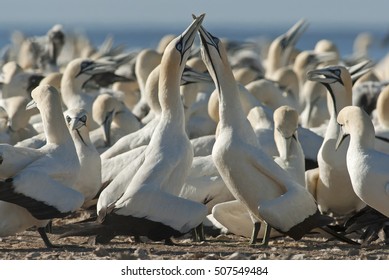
{"x":198,"y":233}
{"x":49,"y":227}
{"x":256,"y":228}
{"x":265,"y":239}
{"x":42,"y":232}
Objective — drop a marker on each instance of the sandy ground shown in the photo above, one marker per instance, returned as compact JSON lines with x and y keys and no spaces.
{"x":29,"y":245}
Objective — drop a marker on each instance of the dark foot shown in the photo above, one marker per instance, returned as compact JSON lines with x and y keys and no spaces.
{"x":49,"y":245}
{"x":169,"y":242}
{"x":137,"y":239}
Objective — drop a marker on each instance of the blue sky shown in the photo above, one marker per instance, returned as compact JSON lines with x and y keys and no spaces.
{"x":331,"y":13}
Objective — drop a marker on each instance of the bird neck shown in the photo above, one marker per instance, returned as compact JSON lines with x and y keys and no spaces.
{"x":230,"y":108}
{"x":363,"y":134}
{"x":169,"y":92}
{"x":54,"y":123}
{"x":338,"y":98}
{"x":71,"y":87}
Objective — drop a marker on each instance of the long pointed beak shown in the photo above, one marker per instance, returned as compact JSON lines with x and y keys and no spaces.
{"x":290,"y":39}
{"x":76,"y":124}
{"x":285,"y":147}
{"x":189,"y":35}
{"x":359,"y":66}
{"x":341,"y":137}
{"x":97,"y":68}
{"x":358,"y":70}
{"x":191,"y":76}
{"x":322,"y":76}
{"x":31,"y":105}
{"x":107,"y":128}
{"x":356,"y":76}
{"x":295,"y":32}
{"x":207,"y":38}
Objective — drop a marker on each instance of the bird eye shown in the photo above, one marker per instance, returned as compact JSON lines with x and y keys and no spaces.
{"x":83,"y":118}
{"x":179,"y":46}
{"x":68,"y":119}
{"x":85,"y":64}
{"x":337,"y":72}
{"x":283,"y":43}
{"x":215,"y":39}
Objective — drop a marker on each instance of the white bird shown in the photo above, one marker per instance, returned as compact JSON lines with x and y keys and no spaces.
{"x":291,"y":155}
{"x":368,"y":171}
{"x":150,"y":205}
{"x":253,"y":178}
{"x":115,"y":119}
{"x":366,"y":166}
{"x":146,"y":61}
{"x":42,"y":190}
{"x":42,"y":52}
{"x":330,"y":184}
{"x":89,"y":179}
{"x":282,"y":47}
{"x":233,"y":214}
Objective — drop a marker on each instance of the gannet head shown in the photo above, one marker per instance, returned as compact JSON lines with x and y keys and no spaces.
{"x":104,"y":109}
{"x":354,"y":120}
{"x":33,"y":81}
{"x":76,"y":119}
{"x":213,"y":53}
{"x":80,"y":66}
{"x":40,"y":94}
{"x":282,"y":46}
{"x":285,"y":124}
{"x":328,"y":75}
{"x":180,"y":47}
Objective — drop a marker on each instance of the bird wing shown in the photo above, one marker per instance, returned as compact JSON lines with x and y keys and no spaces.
{"x":156,"y":205}
{"x":14,"y":159}
{"x":293,"y":206}
{"x":42,"y":196}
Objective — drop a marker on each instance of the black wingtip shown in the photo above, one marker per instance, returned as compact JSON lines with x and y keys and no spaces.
{"x":314,"y":221}
{"x":371,"y":223}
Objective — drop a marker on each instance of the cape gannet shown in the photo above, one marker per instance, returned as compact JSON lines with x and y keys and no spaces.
{"x":253,"y":178}
{"x":367,"y":169}
{"x":330,"y":184}
{"x":42,"y":189}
